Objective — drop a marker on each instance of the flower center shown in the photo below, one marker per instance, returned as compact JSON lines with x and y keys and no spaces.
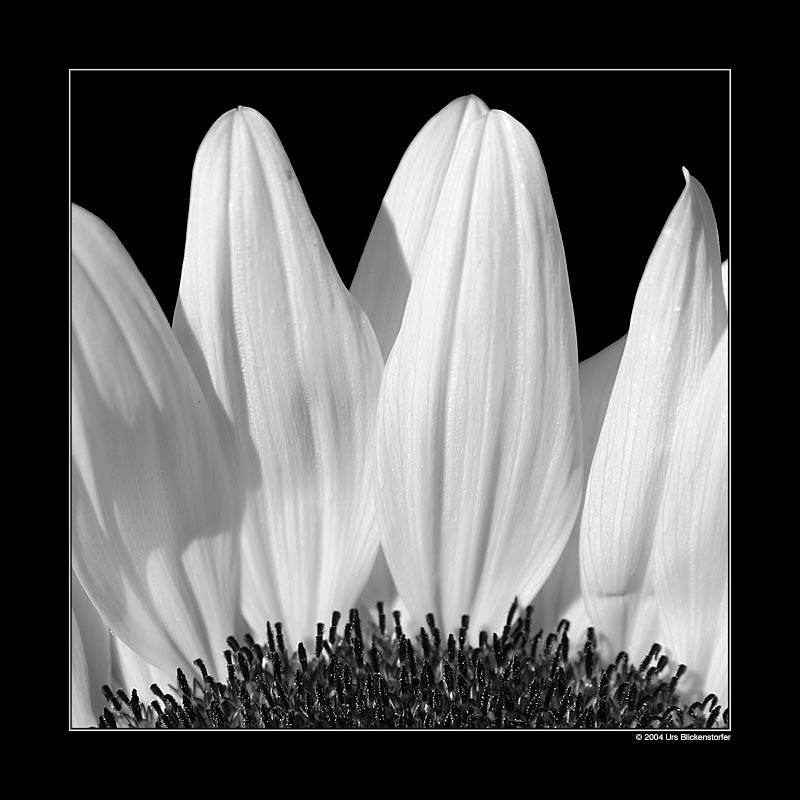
{"x":511,"y":680}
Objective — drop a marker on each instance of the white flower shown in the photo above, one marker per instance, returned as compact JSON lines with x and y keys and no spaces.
{"x":245,"y":465}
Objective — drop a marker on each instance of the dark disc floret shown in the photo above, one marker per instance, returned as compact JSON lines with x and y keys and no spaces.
{"x":504,"y":681}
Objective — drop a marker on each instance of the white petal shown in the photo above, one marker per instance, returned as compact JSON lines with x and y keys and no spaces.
{"x":91,"y":659}
{"x":560,"y":597}
{"x":154,"y":518}
{"x":691,"y":539}
{"x":479,"y":438}
{"x":269,"y":328}
{"x":130,"y":671}
{"x":387,"y":265}
{"x":725,"y":280}
{"x":678,"y":317}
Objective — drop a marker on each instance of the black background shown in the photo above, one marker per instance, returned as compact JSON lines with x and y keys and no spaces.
{"x":613,"y":144}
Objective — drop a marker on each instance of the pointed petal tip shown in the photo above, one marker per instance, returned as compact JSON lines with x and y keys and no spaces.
{"x":686,"y":176}
{"x":476,"y":102}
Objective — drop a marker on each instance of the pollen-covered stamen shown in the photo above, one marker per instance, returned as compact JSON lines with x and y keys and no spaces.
{"x":447,"y":674}
{"x":357,"y":626}
{"x":428,"y":679}
{"x":411,"y":659}
{"x":498,"y":650}
{"x":183,"y":684}
{"x":462,"y":663}
{"x":588,"y":658}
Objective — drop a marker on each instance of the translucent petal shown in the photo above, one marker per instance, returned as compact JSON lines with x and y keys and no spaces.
{"x":478,"y":434}
{"x":154,"y":539}
{"x":678,"y":317}
{"x":384,"y":273}
{"x":560,"y":597}
{"x":691,"y":537}
{"x":269,"y":328}
{"x":91,"y":659}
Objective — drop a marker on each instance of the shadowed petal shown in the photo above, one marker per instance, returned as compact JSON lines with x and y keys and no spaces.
{"x":560,"y":597}
{"x":479,"y":439}
{"x":387,"y":265}
{"x":91,"y":659}
{"x":154,"y":529}
{"x":269,"y":328}
{"x":691,"y":537}
{"x":677,"y":319}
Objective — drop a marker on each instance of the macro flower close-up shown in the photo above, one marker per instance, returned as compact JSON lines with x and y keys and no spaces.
{"x":308,"y":498}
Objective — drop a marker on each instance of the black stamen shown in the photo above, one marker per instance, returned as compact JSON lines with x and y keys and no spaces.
{"x":447,"y":673}
{"x":136,"y":706}
{"x":357,"y":626}
{"x":198,"y":662}
{"x":512,"y":611}
{"x":451,"y":647}
{"x":507,"y":686}
{"x":398,"y":628}
{"x":425,"y":642}
{"x":277,"y":666}
{"x":649,"y":657}
{"x":429,"y":618}
{"x":374,"y":657}
{"x":109,"y":695}
{"x":381,"y":619}
{"x":301,"y":654}
{"x":498,"y":651}
{"x":183,"y":684}
{"x":279,"y":637}
{"x":320,"y":632}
